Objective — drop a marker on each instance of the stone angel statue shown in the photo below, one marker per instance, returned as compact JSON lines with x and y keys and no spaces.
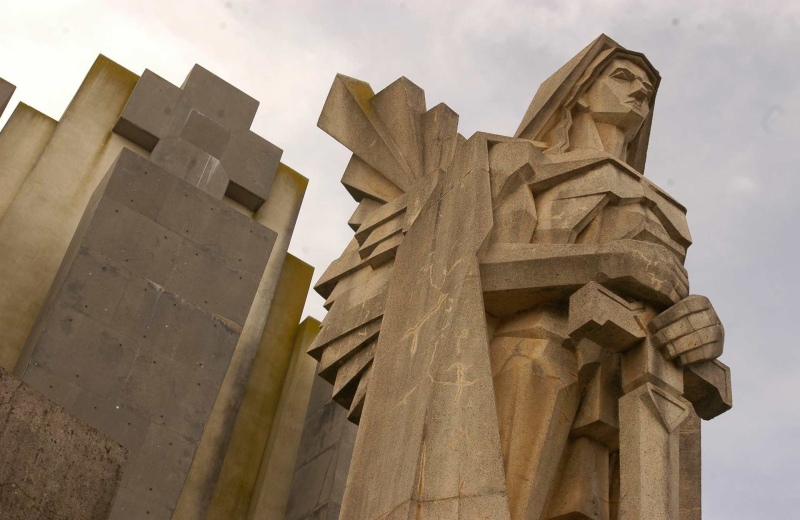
{"x":511,"y":325}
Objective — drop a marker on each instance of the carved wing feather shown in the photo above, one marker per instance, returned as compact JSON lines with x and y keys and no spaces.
{"x":397,"y":145}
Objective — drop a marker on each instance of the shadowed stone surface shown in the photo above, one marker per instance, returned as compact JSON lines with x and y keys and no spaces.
{"x":279,"y":213}
{"x":250,"y":159}
{"x":691,"y":507}
{"x":256,"y":473}
{"x":53,"y":466}
{"x":219,"y":100}
{"x":323,"y":459}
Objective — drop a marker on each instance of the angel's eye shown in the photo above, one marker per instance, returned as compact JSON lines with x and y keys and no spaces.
{"x":623,"y":74}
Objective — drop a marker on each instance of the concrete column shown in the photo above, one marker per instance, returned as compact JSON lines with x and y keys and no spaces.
{"x":138,"y":330}
{"x":38,"y":225}
{"x":259,"y":411}
{"x":273,"y":487}
{"x":22,"y":140}
{"x":278,"y":213}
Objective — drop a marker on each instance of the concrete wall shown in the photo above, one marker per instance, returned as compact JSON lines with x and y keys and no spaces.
{"x":270,"y":497}
{"x":323,"y":459}
{"x":52,"y":465}
{"x":138,"y":331}
{"x":38,"y":225}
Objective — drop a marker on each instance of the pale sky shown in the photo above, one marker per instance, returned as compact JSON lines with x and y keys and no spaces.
{"x":724,"y":142}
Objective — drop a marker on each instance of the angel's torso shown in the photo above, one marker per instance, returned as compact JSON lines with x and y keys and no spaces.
{"x":610,"y":202}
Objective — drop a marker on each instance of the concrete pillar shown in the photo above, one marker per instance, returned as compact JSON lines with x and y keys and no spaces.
{"x":258,"y":412}
{"x":47,"y":184}
{"x":38,"y":225}
{"x":271,"y":494}
{"x":22,"y":140}
{"x":279,"y":213}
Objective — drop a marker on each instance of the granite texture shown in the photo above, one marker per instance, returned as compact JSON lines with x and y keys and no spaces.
{"x":53,"y":466}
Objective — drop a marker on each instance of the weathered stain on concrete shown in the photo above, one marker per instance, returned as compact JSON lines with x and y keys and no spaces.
{"x":22,"y":140}
{"x":38,"y":225}
{"x":273,"y":488}
{"x":6,"y":91}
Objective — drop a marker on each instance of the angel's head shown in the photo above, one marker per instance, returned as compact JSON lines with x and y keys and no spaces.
{"x":605,"y":81}
{"x":620,"y":96}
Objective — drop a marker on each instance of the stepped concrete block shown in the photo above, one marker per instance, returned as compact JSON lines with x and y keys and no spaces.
{"x":219,"y":100}
{"x":149,"y":109}
{"x":251,"y":162}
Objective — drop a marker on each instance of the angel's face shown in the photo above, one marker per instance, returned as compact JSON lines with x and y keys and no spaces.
{"x":621,"y":96}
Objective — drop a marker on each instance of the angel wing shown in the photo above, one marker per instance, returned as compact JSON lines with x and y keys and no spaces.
{"x":398,"y":148}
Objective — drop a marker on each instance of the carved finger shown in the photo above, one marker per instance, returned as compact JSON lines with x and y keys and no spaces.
{"x":696,"y":339}
{"x":689,"y":305}
{"x":678,"y":292}
{"x":680,"y":267}
{"x":676,"y":266}
{"x":697,"y":303}
{"x":701,"y":354}
{"x":684,"y":326}
{"x":671,"y":332}
{"x":679,"y":285}
{"x":683,"y":286}
{"x":703,"y":319}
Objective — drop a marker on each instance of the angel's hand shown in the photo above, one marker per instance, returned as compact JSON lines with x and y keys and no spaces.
{"x":689,"y":332}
